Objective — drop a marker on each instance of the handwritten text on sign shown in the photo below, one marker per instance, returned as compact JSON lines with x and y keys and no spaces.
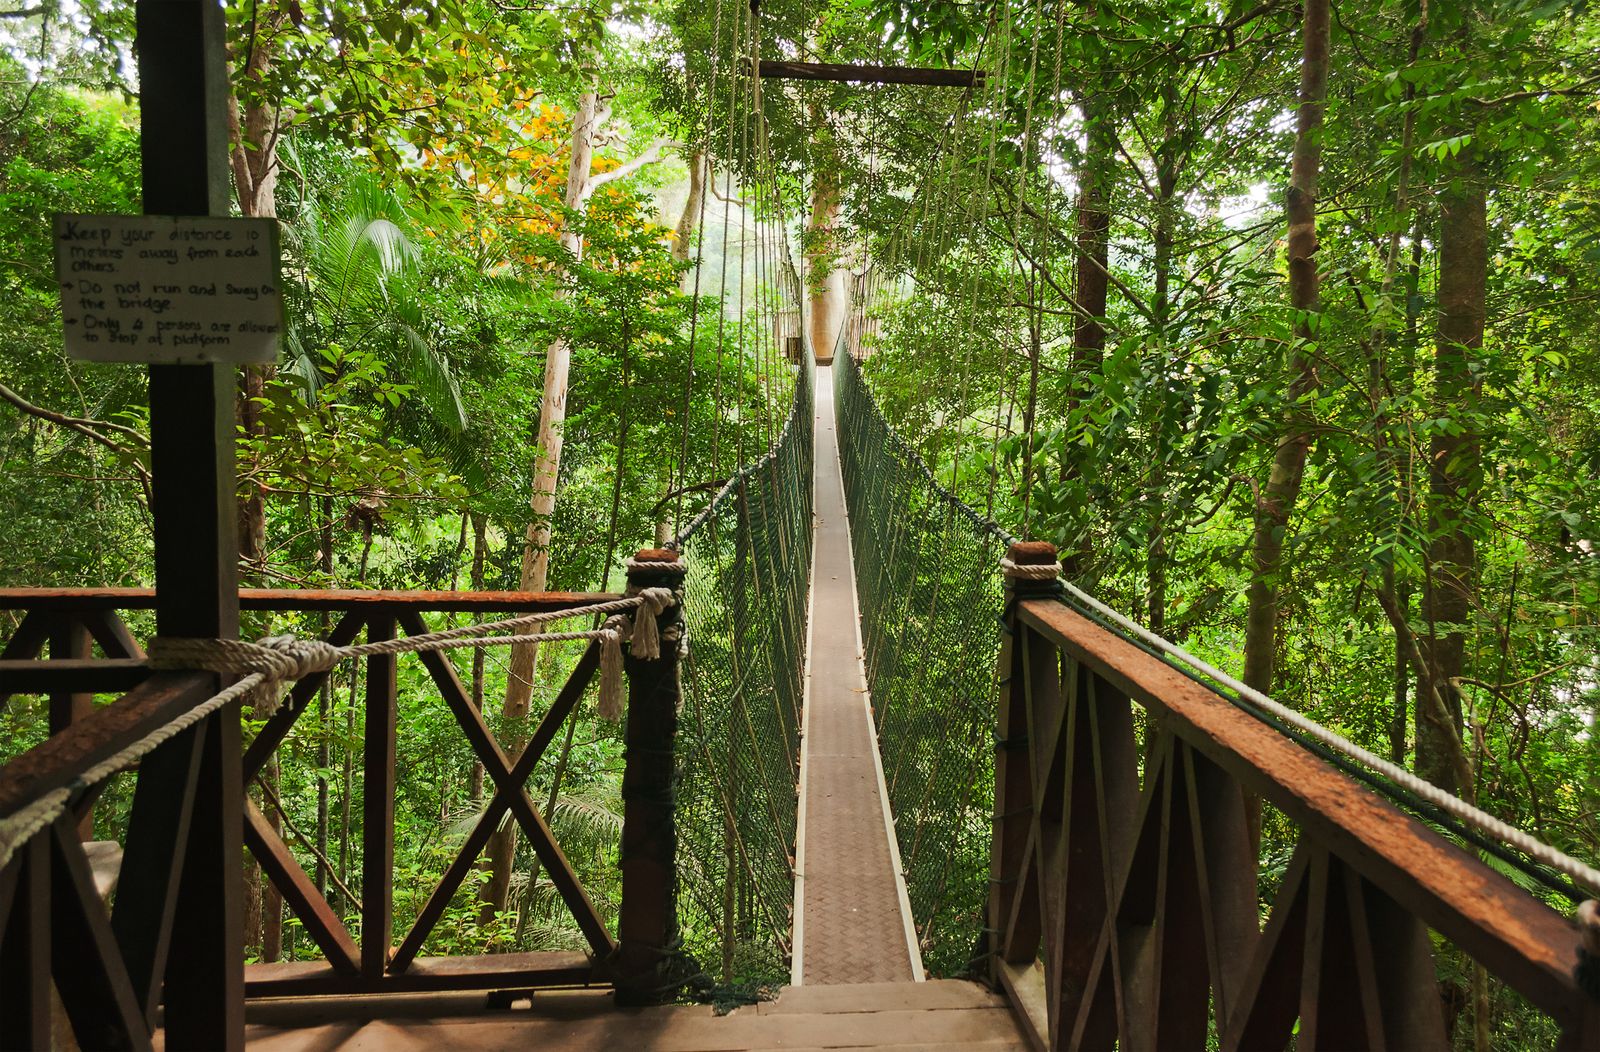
{"x":169,"y":289}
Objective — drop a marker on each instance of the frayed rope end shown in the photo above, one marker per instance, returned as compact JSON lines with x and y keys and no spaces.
{"x":612,"y":696}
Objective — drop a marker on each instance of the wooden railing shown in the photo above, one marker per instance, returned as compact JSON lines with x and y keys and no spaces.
{"x":1124,"y":909}
{"x":114,"y":969}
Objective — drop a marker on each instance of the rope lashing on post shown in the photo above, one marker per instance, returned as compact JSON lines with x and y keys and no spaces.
{"x":268,"y":665}
{"x":1585,"y":875}
{"x":276,"y":660}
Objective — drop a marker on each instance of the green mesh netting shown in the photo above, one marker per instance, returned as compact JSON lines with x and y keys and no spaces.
{"x":927,"y":572}
{"x":749,"y":571}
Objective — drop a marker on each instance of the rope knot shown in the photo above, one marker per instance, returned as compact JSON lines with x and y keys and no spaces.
{"x":646,"y":638}
{"x":276,"y":659}
{"x":1015,"y":571}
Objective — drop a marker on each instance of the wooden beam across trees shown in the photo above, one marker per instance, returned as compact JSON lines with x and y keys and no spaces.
{"x":851,"y":73}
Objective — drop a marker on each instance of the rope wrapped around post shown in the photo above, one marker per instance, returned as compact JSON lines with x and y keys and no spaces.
{"x":649,"y":966}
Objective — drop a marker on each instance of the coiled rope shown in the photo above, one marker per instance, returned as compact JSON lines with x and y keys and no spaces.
{"x":269,"y":665}
{"x":1464,"y":812}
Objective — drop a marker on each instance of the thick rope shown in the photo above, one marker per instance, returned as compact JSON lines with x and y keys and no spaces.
{"x":1470,"y":815}
{"x":268,"y":665}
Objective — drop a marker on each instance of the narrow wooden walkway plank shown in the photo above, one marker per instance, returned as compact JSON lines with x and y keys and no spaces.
{"x":671,"y":1029}
{"x":852,"y":918}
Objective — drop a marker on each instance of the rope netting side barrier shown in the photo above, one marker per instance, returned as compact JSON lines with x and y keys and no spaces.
{"x":891,"y":491}
{"x":745,"y":602}
{"x":930,"y":601}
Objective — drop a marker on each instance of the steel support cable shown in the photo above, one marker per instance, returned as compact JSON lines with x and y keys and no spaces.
{"x":748,"y":559}
{"x":707,"y":187}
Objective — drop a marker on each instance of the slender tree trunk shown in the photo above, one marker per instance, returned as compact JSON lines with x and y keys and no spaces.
{"x":547,"y":470}
{"x":271,"y":897}
{"x":480,"y":550}
{"x":689,"y":220}
{"x":1277,"y":498}
{"x":1167,"y":172}
{"x":1092,"y":258}
{"x":253,"y":155}
{"x":1455,"y":467}
{"x":825,"y":271}
{"x":324,"y":703}
{"x":350,"y":749}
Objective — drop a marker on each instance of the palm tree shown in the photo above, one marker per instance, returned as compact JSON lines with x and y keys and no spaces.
{"x":359,"y":272}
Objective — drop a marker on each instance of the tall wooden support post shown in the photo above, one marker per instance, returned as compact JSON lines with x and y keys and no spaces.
{"x":69,"y":641}
{"x":1014,"y":920}
{"x":647,"y":927}
{"x":25,"y":949}
{"x":184,"y":162}
{"x":377,"y":807}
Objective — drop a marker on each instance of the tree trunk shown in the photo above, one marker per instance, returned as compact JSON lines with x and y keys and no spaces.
{"x":1455,"y":468}
{"x":547,"y":469}
{"x":1092,"y":259}
{"x":324,"y":703}
{"x":253,"y":155}
{"x":1277,"y":498}
{"x":271,"y":897}
{"x":1168,"y":164}
{"x":825,"y":273}
{"x":480,"y":550}
{"x":689,"y":221}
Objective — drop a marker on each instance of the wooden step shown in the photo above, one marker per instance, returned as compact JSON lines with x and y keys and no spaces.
{"x":938,"y":1015}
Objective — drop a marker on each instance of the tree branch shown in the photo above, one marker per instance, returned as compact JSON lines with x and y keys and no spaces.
{"x":622,"y":171}
{"x":82,"y":425}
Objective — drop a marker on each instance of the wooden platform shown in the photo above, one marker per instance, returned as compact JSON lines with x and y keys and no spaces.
{"x":944,"y":1014}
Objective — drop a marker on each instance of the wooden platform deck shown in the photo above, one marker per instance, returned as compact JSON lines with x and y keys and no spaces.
{"x":938,"y":1015}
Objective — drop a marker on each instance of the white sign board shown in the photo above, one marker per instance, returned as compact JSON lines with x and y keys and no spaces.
{"x":169,"y":289}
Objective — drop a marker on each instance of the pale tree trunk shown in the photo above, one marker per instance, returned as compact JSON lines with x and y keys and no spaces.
{"x":253,"y":137}
{"x":1455,"y":468}
{"x":1277,"y":498}
{"x":582,"y":182}
{"x":825,"y":271}
{"x":546,"y":470}
{"x":253,"y":130}
{"x":684,"y":235}
{"x":689,"y":221}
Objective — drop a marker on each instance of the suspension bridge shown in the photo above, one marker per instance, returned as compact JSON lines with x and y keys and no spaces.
{"x":890,"y":781}
{"x":937,"y":798}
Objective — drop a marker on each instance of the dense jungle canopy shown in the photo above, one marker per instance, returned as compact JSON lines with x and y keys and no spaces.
{"x":1282,"y":320}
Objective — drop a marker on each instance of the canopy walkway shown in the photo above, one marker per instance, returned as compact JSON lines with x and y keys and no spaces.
{"x":986,"y":782}
{"x":889,"y":781}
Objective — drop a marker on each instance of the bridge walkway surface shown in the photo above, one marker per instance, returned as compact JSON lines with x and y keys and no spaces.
{"x":852,"y":919}
{"x":857,"y":980}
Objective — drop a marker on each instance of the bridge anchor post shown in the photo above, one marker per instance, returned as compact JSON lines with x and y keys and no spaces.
{"x":647,"y":966}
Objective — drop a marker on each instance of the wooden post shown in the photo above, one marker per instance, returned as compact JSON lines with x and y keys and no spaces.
{"x":377,"y":804}
{"x":1013,"y":783}
{"x":69,"y":641}
{"x":25,"y":1015}
{"x":647,"y":925}
{"x":183,"y":82}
